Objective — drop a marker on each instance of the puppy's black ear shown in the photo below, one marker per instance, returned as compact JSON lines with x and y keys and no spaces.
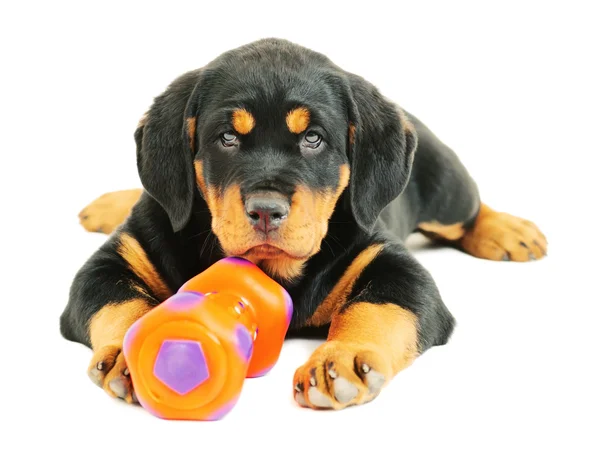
{"x":382,"y":145}
{"x":165,"y":148}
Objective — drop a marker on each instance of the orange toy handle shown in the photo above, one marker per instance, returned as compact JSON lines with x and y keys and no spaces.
{"x":189,"y":356}
{"x":265,"y":298}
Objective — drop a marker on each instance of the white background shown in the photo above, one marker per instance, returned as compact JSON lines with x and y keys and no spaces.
{"x":513,"y":88}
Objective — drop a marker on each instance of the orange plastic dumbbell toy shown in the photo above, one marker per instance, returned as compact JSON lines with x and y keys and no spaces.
{"x":189,"y":356}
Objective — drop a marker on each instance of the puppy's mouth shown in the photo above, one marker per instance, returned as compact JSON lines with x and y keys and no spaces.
{"x":267,"y":251}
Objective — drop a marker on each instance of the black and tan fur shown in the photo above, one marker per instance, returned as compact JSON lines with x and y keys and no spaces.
{"x":354,"y":175}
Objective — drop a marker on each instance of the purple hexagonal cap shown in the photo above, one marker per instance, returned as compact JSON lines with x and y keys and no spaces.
{"x":181,"y":365}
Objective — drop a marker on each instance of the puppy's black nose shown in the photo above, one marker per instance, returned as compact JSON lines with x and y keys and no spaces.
{"x":267,"y":212}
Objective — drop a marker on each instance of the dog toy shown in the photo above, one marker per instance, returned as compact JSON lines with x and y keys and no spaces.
{"x":189,"y":356}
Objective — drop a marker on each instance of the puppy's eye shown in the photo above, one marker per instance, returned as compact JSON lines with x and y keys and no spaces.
{"x":229,"y":139}
{"x":312,"y":139}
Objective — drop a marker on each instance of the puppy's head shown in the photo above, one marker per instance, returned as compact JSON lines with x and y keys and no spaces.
{"x":273,"y":137}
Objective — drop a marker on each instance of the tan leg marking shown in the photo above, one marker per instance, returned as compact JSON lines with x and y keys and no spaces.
{"x":137,"y":259}
{"x":447,"y":232}
{"x":368,"y":345}
{"x":339,"y":294}
{"x":494,"y":236}
{"x":108,"y":211}
{"x":107,"y":328}
{"x":500,"y":236}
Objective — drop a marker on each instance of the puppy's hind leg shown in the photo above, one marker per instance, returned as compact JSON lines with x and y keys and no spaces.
{"x":108,"y":211}
{"x":452,"y":210}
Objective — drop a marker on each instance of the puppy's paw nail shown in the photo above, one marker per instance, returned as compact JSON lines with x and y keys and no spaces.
{"x":118,"y":387}
{"x":332,"y":373}
{"x":375,"y":381}
{"x":100,"y":366}
{"x":298,"y":388}
{"x":318,"y":399}
{"x":313,"y":382}
{"x":94,"y":376}
{"x":299,"y":397}
{"x":365,"y":368}
{"x":343,"y":390}
{"x":126,"y":372}
{"x":544,"y":252}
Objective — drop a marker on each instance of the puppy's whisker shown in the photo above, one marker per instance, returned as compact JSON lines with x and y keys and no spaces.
{"x":335,"y":239}
{"x":212,"y":247}
{"x":330,"y":248}
{"x":206,"y":240}
{"x":199,"y":234}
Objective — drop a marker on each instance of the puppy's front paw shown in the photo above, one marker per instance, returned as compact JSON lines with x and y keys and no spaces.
{"x":109,"y":371}
{"x":340,"y":374}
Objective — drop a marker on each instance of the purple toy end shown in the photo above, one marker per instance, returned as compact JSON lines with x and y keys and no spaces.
{"x":181,"y":365}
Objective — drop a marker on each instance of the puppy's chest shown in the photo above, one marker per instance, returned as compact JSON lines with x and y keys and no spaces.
{"x":327,"y":283}
{"x":317,"y":298}
{"x":307,"y":297}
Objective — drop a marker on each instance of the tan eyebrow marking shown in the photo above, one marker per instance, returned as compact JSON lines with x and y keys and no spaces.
{"x":243,"y":121}
{"x":297,"y":120}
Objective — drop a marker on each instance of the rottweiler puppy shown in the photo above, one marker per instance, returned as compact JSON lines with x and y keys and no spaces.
{"x":273,"y":153}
